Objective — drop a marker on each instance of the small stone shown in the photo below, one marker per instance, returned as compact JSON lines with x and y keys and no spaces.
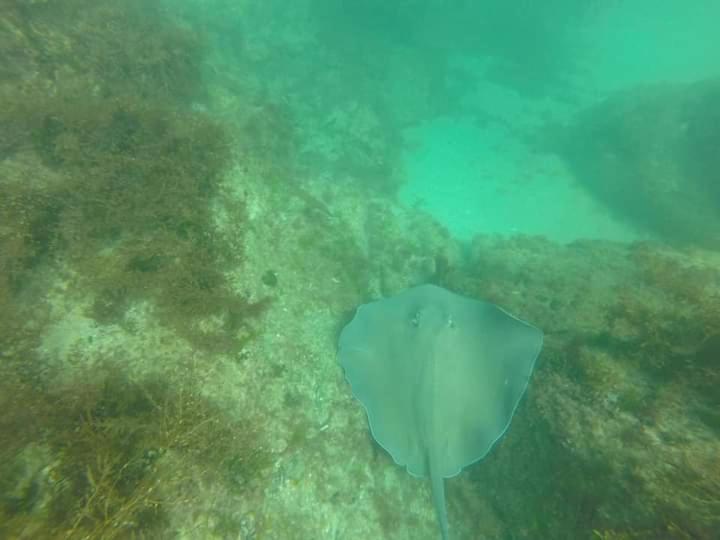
{"x":270,"y":278}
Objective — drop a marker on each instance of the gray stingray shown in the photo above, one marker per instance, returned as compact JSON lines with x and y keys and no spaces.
{"x":440,"y":376}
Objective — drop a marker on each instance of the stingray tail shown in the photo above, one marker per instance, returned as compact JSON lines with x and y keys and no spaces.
{"x":437,"y":483}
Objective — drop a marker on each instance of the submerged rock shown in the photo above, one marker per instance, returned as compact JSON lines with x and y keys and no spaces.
{"x":651,"y":155}
{"x":620,"y":434}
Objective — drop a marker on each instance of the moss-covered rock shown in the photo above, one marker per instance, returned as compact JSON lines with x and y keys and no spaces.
{"x":619,"y":434}
{"x":651,"y":155}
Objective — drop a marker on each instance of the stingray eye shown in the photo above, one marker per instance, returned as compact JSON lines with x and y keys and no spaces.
{"x":415,"y":319}
{"x":450,"y":322}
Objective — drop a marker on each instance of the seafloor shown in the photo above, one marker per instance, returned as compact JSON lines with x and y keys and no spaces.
{"x":176,"y":264}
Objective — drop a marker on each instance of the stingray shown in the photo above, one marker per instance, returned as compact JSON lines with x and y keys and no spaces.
{"x":440,"y":376}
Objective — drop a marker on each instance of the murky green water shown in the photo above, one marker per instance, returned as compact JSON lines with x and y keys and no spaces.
{"x":196,"y":195}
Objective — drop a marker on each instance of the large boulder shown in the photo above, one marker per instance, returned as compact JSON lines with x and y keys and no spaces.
{"x":652,"y":155}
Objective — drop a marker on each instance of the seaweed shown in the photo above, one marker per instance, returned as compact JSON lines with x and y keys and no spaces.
{"x":109,"y":181}
{"x":133,"y":212}
{"x":673,"y":330}
{"x":115,"y":48}
{"x":109,"y":174}
{"x":105,"y":456}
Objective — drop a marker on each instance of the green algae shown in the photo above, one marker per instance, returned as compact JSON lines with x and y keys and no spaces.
{"x":108,"y":191}
{"x":105,"y":456}
{"x":625,"y":393}
{"x":614,"y":408}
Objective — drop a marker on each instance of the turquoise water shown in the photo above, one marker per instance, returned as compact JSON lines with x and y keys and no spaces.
{"x":485,"y":179}
{"x":198,"y":196}
{"x":462,"y":101}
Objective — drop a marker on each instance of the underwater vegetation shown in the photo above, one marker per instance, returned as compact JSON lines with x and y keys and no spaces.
{"x":621,"y":420}
{"x":115,"y":48}
{"x":117,"y":209}
{"x":108,"y":181}
{"x":109,"y":457}
{"x":115,"y":183}
{"x":650,"y":154}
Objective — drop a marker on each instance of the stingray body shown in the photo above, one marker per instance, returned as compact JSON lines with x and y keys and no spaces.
{"x":440,"y":376}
